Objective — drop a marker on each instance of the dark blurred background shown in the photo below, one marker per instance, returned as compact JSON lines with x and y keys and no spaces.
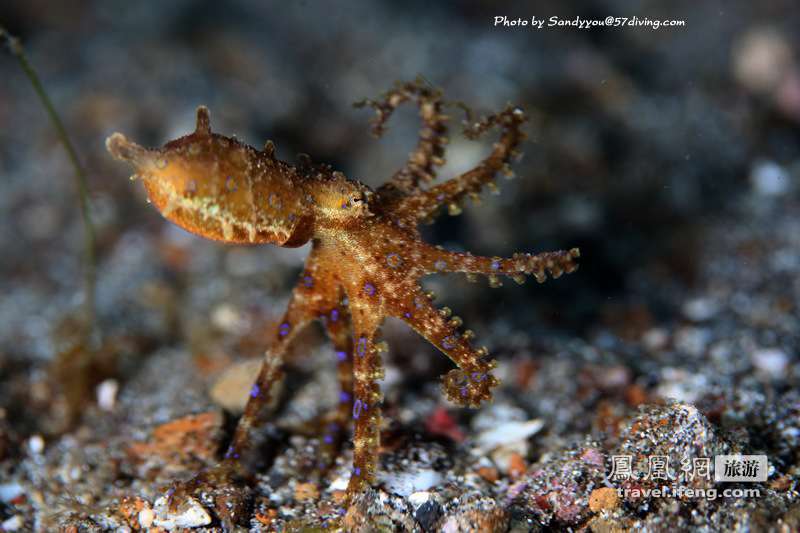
{"x":638,"y":137}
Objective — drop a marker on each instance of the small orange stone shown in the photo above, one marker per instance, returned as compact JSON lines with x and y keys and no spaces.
{"x":635,"y":395}
{"x":516,"y":466}
{"x":489,"y":473}
{"x":130,"y":507}
{"x":189,"y":436}
{"x":603,"y":498}
{"x":268,"y":517}
{"x":306,"y":492}
{"x":339,"y":496}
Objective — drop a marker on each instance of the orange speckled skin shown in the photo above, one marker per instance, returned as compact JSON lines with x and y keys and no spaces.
{"x":367,"y":255}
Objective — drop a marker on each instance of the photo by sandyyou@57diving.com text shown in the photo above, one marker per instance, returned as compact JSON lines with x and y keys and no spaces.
{"x":537,"y":23}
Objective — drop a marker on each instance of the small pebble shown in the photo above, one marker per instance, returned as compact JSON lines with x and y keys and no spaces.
{"x":451,"y":526}
{"x":516,"y":466}
{"x":340,"y":483}
{"x":769,"y":179}
{"x":9,"y":491}
{"x":771,"y":361}
{"x":692,"y":341}
{"x":605,"y":498}
{"x":407,"y":483}
{"x":506,"y":458}
{"x":107,"y":394}
{"x":146,"y":517}
{"x":232,"y":389}
{"x":593,"y":456}
{"x":614,"y":378}
{"x":488,"y":473}
{"x":700,"y":309}
{"x":508,"y":433}
{"x":427,"y":514}
{"x":306,"y":492}
{"x":339,"y":497}
{"x":655,"y":339}
{"x":635,"y":395}
{"x":418,"y":498}
{"x":75,"y":473}
{"x":227,"y":318}
{"x":188,"y":514}
{"x":12,"y":524}
{"x":681,"y":385}
{"x":762,"y":57}
{"x":36,"y":444}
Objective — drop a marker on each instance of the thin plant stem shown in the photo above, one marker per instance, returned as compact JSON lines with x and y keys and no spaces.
{"x":80,"y":176}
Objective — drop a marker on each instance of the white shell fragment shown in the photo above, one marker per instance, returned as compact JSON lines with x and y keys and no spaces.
{"x":188,"y":514}
{"x":107,"y":394}
{"x":506,"y":434}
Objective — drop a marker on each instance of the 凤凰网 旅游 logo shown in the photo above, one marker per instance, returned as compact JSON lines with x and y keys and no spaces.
{"x":740,"y":468}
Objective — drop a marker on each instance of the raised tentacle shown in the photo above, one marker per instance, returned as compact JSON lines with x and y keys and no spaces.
{"x":433,"y":259}
{"x":422,"y":205}
{"x":429,"y":152}
{"x":472,"y":382}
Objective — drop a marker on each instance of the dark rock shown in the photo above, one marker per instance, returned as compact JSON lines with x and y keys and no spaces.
{"x":427,"y":514}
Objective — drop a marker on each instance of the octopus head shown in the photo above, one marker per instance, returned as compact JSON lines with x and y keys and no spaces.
{"x":204,"y":183}
{"x":342,"y":203}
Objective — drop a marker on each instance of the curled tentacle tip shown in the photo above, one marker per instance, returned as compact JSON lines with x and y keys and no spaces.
{"x":469,"y":389}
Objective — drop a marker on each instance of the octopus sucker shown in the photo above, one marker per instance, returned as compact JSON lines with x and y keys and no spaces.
{"x":367,"y":255}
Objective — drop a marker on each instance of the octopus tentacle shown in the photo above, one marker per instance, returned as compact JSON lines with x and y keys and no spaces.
{"x":297,"y":316}
{"x":367,"y":397}
{"x":299,"y":313}
{"x":424,"y":204}
{"x":338,"y":328}
{"x":469,"y":384}
{"x":429,"y":153}
{"x":433,"y":259}
{"x":310,"y":300}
